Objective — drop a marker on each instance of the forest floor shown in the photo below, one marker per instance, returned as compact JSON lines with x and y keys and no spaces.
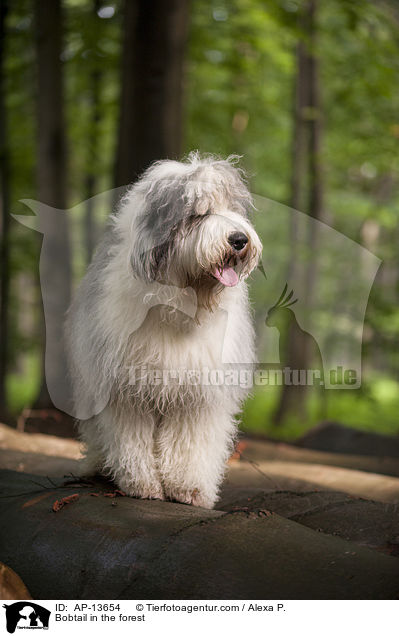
{"x":315,"y":511}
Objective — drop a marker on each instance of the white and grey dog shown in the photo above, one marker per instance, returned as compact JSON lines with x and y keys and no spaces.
{"x":166,"y":293}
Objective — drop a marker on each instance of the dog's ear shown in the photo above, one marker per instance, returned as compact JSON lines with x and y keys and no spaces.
{"x":163,"y":208}
{"x":147,"y":261}
{"x":147,"y":264}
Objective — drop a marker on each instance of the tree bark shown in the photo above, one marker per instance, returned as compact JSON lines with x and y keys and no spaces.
{"x":306,"y":152}
{"x":267,"y":544}
{"x":152,"y":83}
{"x":93,"y":137}
{"x":5,"y":217}
{"x":315,"y":132}
{"x":55,"y":264}
{"x":299,"y":149}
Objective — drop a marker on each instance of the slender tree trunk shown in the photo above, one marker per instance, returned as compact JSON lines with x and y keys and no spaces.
{"x":315,"y":132}
{"x":293,"y":398}
{"x":316,"y":181}
{"x":93,"y":137}
{"x":5,"y":217}
{"x":55,"y":260}
{"x":152,"y":76}
{"x":299,"y":149}
{"x":306,"y":151}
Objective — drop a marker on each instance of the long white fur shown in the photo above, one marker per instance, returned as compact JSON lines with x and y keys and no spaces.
{"x":164,"y":441}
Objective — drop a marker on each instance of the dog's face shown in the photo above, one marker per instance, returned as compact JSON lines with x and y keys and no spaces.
{"x":191,"y":228}
{"x":214,"y":250}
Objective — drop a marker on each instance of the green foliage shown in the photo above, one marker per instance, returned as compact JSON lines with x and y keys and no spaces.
{"x":373,"y":408}
{"x":21,"y":394}
{"x":239,"y":78}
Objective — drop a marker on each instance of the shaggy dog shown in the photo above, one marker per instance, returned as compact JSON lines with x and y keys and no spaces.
{"x":163,"y":300}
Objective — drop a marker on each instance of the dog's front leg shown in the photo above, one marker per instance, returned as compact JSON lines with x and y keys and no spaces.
{"x":192,"y":453}
{"x":127,"y":440}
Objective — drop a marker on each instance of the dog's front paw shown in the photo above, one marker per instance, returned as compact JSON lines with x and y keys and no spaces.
{"x":201,"y":500}
{"x":194,"y":497}
{"x":140,"y":491}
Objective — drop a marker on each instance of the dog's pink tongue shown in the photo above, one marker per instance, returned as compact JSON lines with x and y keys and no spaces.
{"x":227,"y":276}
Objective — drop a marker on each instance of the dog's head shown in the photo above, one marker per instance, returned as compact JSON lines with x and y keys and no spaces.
{"x":189,"y":225}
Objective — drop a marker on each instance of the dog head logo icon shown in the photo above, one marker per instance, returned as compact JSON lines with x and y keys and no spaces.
{"x":26,"y":615}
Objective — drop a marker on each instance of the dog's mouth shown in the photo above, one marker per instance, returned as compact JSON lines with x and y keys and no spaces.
{"x":226,"y":274}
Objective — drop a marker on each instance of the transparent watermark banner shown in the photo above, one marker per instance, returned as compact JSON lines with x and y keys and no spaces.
{"x":312,"y":288}
{"x":143,"y":377}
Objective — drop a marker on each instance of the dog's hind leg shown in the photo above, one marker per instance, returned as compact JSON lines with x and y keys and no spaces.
{"x":192,"y":453}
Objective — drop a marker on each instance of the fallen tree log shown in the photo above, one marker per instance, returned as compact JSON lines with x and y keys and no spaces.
{"x":104,"y":545}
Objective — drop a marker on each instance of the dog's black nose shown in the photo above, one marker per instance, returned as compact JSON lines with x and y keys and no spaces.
{"x":238,"y":241}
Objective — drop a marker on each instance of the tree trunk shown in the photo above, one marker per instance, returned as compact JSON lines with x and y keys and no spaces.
{"x":265,"y":543}
{"x":93,"y":137}
{"x":306,"y":150}
{"x":314,"y":126}
{"x":5,"y":217}
{"x":316,"y":189}
{"x":299,"y":149}
{"x":152,"y":78}
{"x":55,"y":264}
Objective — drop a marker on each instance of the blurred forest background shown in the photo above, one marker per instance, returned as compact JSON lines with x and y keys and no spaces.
{"x":307,"y":91}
